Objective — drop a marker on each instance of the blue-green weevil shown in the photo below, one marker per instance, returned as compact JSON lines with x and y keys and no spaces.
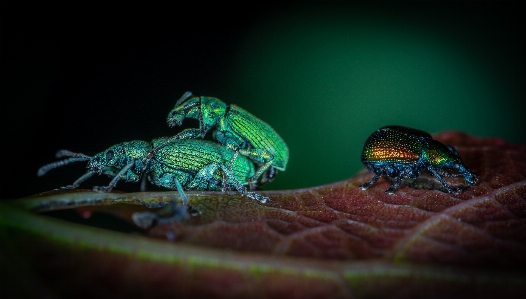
{"x":186,"y":164}
{"x":236,"y":129}
{"x":400,"y":152}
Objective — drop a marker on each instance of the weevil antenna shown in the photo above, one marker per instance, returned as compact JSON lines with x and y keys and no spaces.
{"x":66,"y":153}
{"x":185,"y":96}
{"x":44,"y":169}
{"x":115,"y":179}
{"x":201,"y":123}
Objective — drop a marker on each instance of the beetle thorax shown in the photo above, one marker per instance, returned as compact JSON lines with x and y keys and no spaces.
{"x":212,"y":111}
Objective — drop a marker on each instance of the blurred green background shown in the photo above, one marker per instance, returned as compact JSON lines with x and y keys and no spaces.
{"x":326,"y":79}
{"x":324,"y":75}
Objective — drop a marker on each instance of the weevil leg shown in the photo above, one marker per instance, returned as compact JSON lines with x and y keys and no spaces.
{"x":231,"y":179}
{"x":268,"y":176}
{"x":258,"y":156}
{"x":395,"y":185}
{"x":184,"y":198}
{"x":449,"y":188}
{"x":143,"y":182}
{"x":115,"y":179}
{"x":230,"y":164}
{"x":77,"y":183}
{"x":239,"y":187}
{"x":201,"y":181}
{"x":234,"y":157}
{"x":170,"y":179}
{"x":253,"y":180}
{"x":262,"y":199}
{"x":203,"y":177}
{"x":224,"y":183}
{"x":447,"y":174}
{"x":372,"y":181}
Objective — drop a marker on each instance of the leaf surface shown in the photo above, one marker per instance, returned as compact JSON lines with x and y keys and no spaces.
{"x":328,"y":241}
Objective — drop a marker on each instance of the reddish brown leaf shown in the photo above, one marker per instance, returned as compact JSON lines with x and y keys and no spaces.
{"x":484,"y":224}
{"x":328,"y":241}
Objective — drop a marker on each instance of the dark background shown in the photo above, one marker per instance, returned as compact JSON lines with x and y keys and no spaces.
{"x":323,"y":75}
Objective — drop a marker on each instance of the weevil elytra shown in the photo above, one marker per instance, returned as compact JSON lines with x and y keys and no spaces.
{"x":186,"y":164}
{"x":200,"y":165}
{"x":236,"y":129}
{"x":399,"y":152}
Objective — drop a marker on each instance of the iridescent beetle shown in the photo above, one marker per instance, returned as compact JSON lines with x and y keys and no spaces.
{"x":236,"y":129}
{"x":178,"y":165}
{"x":400,"y":152}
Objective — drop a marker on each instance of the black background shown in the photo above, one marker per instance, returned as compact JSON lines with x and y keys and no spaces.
{"x":84,"y":77}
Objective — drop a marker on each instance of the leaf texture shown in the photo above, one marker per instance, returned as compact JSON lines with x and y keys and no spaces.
{"x":328,"y":241}
{"x":484,"y":224}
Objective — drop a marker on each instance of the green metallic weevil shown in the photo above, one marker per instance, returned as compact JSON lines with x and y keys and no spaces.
{"x":236,"y":129}
{"x":200,"y":165}
{"x":186,"y":164}
{"x":123,"y":161}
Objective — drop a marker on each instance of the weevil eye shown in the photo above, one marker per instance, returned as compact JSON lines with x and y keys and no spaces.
{"x":109,"y":155}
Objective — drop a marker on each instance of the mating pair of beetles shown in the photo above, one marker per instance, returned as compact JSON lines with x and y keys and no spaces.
{"x":185,"y":162}
{"x":248,"y":152}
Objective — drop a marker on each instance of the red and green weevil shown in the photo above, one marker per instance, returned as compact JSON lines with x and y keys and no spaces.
{"x":400,"y":152}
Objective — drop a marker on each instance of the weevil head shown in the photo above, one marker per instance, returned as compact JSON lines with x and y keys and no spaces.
{"x":441,"y":156}
{"x":212,"y":111}
{"x":108,"y":159}
{"x":118,"y":156}
{"x":188,"y":108}
{"x":446,"y":158}
{"x":207,"y":110}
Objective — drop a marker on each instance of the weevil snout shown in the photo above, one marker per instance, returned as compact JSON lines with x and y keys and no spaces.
{"x":179,"y":113}
{"x":176,"y":117}
{"x":470,"y":178}
{"x":95,"y":165}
